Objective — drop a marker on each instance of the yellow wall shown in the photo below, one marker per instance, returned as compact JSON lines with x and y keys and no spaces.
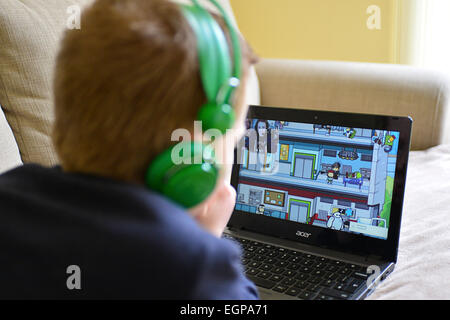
{"x":318,"y":29}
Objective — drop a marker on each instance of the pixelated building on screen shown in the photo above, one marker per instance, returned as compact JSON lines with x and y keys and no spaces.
{"x":333,"y":177}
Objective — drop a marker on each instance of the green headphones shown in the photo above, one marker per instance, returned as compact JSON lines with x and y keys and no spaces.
{"x":192,"y":180}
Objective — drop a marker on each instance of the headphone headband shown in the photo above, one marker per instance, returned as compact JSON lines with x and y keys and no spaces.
{"x":237,"y":59}
{"x":190,"y":184}
{"x":218,"y":77}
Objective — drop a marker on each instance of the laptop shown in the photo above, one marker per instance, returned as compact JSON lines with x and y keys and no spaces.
{"x":319,"y":201}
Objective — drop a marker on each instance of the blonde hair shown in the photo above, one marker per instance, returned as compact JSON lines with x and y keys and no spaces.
{"x":123,"y":83}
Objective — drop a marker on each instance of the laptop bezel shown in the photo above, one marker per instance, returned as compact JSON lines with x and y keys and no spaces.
{"x":324,"y":237}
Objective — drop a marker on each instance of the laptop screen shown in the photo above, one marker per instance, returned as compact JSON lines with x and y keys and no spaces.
{"x":332,"y":177}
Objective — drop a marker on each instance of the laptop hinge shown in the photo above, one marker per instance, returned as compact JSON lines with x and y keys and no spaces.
{"x":371,"y":258}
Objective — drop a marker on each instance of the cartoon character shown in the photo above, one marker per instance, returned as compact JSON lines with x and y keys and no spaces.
{"x":335,"y":222}
{"x":313,"y":218}
{"x":377,"y":138}
{"x":348,"y":212}
{"x":280,"y":124}
{"x":336,"y":167}
{"x":260,"y":209}
{"x":388,"y":143}
{"x":350,"y":133}
{"x":321,"y":126}
{"x":353,"y":175}
{"x":330,"y":176}
{"x":265,"y":146}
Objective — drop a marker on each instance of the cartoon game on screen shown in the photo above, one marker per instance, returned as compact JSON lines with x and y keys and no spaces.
{"x":332,"y":177}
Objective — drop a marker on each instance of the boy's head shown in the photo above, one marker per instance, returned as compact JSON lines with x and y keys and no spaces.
{"x":124,"y":82}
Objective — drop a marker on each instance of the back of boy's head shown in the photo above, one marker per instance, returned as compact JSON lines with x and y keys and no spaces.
{"x":123,"y":83}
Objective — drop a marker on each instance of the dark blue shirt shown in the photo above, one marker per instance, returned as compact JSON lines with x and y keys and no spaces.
{"x":123,"y":241}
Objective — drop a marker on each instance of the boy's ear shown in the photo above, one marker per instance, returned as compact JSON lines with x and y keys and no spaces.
{"x":252,"y":90}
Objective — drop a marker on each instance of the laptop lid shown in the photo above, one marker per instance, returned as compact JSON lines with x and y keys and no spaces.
{"x":330,"y":179}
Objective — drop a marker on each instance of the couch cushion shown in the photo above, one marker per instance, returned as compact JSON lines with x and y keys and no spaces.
{"x":9,"y":152}
{"x":29,"y":34}
{"x":30,"y":31}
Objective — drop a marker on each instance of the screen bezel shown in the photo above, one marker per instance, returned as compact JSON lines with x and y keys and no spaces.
{"x":323,"y":237}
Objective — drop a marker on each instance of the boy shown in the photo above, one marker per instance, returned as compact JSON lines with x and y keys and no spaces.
{"x":91,"y":228}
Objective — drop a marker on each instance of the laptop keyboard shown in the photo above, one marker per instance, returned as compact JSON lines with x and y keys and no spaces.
{"x":299,"y":274}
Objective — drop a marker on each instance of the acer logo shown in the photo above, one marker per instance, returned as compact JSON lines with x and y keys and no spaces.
{"x":302,"y":234}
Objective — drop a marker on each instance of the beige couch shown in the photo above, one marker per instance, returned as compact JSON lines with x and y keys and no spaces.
{"x":29,"y":33}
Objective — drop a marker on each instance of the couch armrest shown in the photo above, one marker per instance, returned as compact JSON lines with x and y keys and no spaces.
{"x":362,"y":88}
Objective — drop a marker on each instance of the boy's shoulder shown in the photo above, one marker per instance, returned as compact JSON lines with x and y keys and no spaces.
{"x":60,"y":195}
{"x":111,"y":231}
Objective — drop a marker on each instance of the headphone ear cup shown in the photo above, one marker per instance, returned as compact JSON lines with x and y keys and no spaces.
{"x":215,"y":116}
{"x":188,"y":183}
{"x":191,"y":185}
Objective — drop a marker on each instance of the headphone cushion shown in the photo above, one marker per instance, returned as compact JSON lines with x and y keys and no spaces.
{"x":186,"y":184}
{"x":191,"y":185}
